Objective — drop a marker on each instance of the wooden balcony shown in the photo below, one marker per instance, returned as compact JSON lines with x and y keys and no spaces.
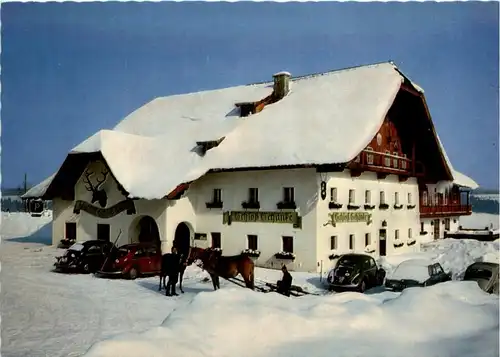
{"x":369,"y":160}
{"x":441,"y":210}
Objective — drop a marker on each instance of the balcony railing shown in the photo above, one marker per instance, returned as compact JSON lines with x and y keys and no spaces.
{"x":377,"y":161}
{"x":445,"y":210}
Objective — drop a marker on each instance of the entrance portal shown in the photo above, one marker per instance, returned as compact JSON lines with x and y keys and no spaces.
{"x":436,"y":229}
{"x":182,"y":238}
{"x":148,"y":230}
{"x":382,"y":242}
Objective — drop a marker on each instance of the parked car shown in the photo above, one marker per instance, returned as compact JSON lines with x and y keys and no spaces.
{"x":356,"y":272}
{"x":416,"y":272}
{"x":85,"y":257}
{"x":134,"y":260}
{"x":485,"y":274}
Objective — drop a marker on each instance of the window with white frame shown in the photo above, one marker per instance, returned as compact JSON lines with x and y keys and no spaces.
{"x":409,"y":233}
{"x":396,"y":198}
{"x":352,"y":197}
{"x":351,"y":241}
{"x":217,"y":195}
{"x":409,"y":198}
{"x":288,"y":194}
{"x":396,"y":234}
{"x":382,"y":197}
{"x":333,"y":242}
{"x":253,"y":195}
{"x":368,"y":197}
{"x":403,"y":163}
{"x":252,"y":243}
{"x":395,"y":160}
{"x":368,"y":239}
{"x":333,"y":194}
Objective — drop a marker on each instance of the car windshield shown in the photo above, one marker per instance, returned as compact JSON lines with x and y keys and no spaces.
{"x":122,"y":252}
{"x":478,"y":273}
{"x":349,"y":261}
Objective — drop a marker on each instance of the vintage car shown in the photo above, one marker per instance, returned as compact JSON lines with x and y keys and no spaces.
{"x":85,"y":257}
{"x":416,"y":272}
{"x":133,"y":260}
{"x":356,"y":272}
{"x":485,"y":274}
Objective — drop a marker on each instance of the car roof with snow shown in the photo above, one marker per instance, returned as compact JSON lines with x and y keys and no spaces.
{"x":412,"y":269}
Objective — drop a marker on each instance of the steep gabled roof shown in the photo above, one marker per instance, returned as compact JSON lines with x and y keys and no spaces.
{"x":325,"y":119}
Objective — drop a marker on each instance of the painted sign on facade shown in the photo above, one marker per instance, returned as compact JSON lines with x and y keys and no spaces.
{"x":348,"y":217}
{"x":262,"y":217}
{"x":105,"y":212}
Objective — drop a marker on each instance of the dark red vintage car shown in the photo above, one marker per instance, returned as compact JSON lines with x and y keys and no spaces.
{"x":134,"y":260}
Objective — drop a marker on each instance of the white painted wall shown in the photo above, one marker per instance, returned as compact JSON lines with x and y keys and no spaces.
{"x":87,"y":224}
{"x":402,"y":219}
{"x":270,"y":183}
{"x":429,"y":227}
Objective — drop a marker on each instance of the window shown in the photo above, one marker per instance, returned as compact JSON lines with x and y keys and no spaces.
{"x":369,"y":156}
{"x":252,"y":242}
{"x":396,"y":198}
{"x":368,"y":197}
{"x":367,"y":239}
{"x":333,"y":194}
{"x":217,"y":195}
{"x":382,"y":197}
{"x":333,"y":242}
{"x":403,"y":163}
{"x":103,"y":232}
{"x":438,"y":269}
{"x":387,"y":159}
{"x":425,"y":198}
{"x":95,"y":249}
{"x":70,"y":231}
{"x":395,"y":160}
{"x":288,"y":194}
{"x":351,"y":241}
{"x":409,"y":233}
{"x":396,"y":234}
{"x":352,"y":196}
{"x":409,"y":198}
{"x":447,"y":224}
{"x":253,"y":195}
{"x":140,"y":253}
{"x":216,"y":241}
{"x":421,"y":226}
{"x":288,"y":244}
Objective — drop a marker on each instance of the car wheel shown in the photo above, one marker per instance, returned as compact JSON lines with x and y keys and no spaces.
{"x":362,"y":287}
{"x":133,"y":273}
{"x":86,"y":268}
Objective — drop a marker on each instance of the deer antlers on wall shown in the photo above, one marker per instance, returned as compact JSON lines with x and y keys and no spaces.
{"x":98,"y":194}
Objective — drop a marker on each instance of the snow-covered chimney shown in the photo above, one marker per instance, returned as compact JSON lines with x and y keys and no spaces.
{"x":281,"y":84}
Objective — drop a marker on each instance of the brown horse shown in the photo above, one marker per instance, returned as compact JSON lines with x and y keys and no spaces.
{"x":228,"y":267}
{"x":193,"y":255}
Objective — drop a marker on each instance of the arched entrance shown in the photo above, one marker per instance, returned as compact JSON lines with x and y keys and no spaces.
{"x":182,"y":238}
{"x":145,"y":231}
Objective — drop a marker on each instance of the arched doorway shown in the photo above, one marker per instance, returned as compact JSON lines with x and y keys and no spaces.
{"x":182,"y":238}
{"x":146,"y":231}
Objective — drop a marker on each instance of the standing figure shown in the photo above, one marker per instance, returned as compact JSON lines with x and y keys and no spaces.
{"x":173,"y":273}
{"x":285,"y":284}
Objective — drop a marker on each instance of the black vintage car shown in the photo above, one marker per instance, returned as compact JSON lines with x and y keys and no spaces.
{"x":85,"y":257}
{"x":356,"y":272}
{"x":414,"y":273}
{"x":485,"y":274}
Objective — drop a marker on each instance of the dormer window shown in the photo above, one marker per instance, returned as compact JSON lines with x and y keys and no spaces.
{"x":246,"y":108}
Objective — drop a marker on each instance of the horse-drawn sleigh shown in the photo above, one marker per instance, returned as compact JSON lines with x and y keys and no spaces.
{"x":219,"y":266}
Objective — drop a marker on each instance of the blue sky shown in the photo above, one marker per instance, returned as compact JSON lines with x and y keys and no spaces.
{"x":70,"y":69}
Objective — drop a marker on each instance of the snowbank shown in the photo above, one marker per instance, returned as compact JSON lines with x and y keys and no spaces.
{"x":19,"y":224}
{"x":480,"y":221}
{"x":236,"y":322}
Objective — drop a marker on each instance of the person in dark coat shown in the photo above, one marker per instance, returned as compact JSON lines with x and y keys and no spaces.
{"x":173,"y":273}
{"x":285,"y":284}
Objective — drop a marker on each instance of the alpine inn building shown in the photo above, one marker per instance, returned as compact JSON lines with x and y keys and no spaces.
{"x":292,"y":171}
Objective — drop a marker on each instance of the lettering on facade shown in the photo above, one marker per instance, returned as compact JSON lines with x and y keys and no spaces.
{"x":262,"y":217}
{"x":112,"y":211}
{"x":348,"y":217}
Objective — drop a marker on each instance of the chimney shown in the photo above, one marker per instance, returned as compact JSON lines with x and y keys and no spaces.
{"x":281,"y":84}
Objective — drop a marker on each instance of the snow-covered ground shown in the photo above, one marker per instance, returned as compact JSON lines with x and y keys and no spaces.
{"x":49,"y":314}
{"x":480,"y":221}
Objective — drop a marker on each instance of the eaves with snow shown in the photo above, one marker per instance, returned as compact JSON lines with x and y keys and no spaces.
{"x":325,"y":118}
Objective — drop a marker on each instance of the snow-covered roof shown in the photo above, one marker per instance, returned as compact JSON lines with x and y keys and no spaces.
{"x":326,"y":118}
{"x":458,"y":178}
{"x":40,"y":189}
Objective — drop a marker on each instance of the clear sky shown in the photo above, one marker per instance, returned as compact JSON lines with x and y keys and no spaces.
{"x":71,"y":69}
